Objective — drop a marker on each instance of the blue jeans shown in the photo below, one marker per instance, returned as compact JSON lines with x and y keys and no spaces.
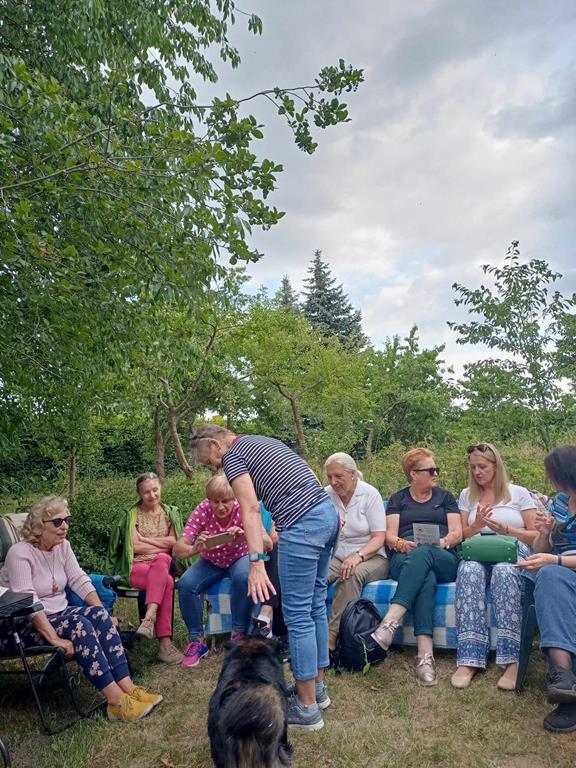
{"x":304,"y":553}
{"x":555,"y":600}
{"x":201,"y":575}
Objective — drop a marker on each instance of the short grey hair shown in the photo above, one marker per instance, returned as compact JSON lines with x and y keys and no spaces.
{"x":203,"y":434}
{"x":41,"y":512}
{"x":346,"y":461}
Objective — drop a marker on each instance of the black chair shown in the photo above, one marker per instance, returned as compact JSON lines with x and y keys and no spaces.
{"x":527,"y":634}
{"x":38,"y":677}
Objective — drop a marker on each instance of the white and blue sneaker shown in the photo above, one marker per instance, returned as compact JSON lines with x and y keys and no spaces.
{"x":306,"y":718}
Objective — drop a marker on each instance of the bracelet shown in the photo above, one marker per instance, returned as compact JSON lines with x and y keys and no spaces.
{"x":559,"y":559}
{"x":507,"y":530}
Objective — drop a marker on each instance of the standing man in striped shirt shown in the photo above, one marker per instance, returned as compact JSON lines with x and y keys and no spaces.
{"x":262,"y":468}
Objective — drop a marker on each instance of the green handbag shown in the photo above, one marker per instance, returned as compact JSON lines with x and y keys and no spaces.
{"x":490,"y":548}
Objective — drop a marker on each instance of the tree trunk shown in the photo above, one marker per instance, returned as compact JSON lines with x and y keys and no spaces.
{"x":180,"y":454}
{"x":160,"y":446}
{"x":299,"y":428}
{"x":72,"y":468}
{"x":370,"y":443}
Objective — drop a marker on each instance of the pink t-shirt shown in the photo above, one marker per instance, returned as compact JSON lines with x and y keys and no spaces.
{"x":203,"y":520}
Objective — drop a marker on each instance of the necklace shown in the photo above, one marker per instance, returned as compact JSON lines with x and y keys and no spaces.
{"x":55,"y":587}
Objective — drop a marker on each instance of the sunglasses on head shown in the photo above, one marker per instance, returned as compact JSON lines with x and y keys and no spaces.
{"x":432,"y":471}
{"x":57,"y":521}
{"x":481,"y":447}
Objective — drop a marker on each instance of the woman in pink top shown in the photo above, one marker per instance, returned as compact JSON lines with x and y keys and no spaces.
{"x":43,"y":565}
{"x":219,"y":513}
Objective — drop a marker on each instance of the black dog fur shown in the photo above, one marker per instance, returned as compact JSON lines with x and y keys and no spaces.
{"x":247,"y":722}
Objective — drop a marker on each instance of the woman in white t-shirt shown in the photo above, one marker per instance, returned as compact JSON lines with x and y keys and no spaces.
{"x":359,"y":556}
{"x":491,"y":504}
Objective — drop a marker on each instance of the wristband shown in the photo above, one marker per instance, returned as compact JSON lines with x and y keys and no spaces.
{"x":559,"y":559}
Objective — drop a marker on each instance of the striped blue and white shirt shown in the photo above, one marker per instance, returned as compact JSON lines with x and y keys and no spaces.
{"x":281,"y":479}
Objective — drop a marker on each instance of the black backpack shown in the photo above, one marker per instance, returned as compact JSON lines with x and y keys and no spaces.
{"x":356,"y":651}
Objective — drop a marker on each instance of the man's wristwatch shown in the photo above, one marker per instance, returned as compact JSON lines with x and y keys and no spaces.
{"x":360,"y":555}
{"x":255,"y":557}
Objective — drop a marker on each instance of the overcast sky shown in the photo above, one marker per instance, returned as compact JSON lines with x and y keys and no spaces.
{"x":462,"y":139}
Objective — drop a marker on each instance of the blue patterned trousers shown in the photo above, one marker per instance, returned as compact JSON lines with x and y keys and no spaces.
{"x":98,"y":649}
{"x":505,"y":583}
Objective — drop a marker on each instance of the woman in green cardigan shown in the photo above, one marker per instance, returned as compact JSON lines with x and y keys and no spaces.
{"x":140,"y":550}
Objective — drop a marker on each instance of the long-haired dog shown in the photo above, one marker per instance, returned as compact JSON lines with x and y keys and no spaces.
{"x":247,"y":721}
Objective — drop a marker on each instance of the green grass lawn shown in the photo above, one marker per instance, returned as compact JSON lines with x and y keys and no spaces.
{"x":382,"y":719}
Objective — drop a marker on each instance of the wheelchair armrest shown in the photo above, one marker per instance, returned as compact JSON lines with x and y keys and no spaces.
{"x":34,"y":608}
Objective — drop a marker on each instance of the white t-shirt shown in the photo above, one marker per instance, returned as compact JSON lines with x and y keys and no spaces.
{"x":508,"y":513}
{"x":365,"y":514}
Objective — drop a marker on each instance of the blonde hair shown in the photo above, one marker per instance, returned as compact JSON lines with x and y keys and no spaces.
{"x":41,"y":512}
{"x":219,"y":486}
{"x":501,"y":480}
{"x":346,"y":461}
{"x":411,"y":459}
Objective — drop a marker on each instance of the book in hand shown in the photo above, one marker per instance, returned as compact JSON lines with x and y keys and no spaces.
{"x":426,"y":533}
{"x":218,"y":539}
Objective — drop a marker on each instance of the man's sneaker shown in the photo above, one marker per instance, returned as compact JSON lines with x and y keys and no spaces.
{"x":146,"y":697}
{"x":426,"y":670}
{"x":562,"y":719}
{"x":236,"y":637}
{"x":322,"y":698}
{"x":384,"y":633}
{"x":306,"y":718}
{"x":192,"y":655}
{"x":129,"y":709}
{"x":562,"y":686}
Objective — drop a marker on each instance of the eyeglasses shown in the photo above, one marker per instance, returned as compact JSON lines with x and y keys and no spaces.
{"x":432,"y":471}
{"x":57,"y":521}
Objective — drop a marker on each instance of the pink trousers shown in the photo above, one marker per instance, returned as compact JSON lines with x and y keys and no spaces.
{"x":156,"y":579}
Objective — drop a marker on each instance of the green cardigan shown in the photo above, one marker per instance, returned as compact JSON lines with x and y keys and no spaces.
{"x":120,"y":554}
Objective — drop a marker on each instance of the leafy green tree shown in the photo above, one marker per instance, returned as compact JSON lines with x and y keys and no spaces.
{"x":520,"y":318}
{"x":410,"y":393}
{"x":327,"y":308}
{"x":118,"y":188}
{"x":319,"y":380}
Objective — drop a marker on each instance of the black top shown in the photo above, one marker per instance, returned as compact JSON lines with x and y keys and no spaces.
{"x":434,"y":510}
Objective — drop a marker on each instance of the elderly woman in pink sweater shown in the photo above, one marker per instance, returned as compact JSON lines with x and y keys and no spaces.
{"x":43,"y":565}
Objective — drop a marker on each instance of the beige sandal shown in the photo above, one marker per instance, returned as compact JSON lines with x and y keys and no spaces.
{"x":463,"y":677}
{"x":508,"y":680}
{"x":146,"y":628}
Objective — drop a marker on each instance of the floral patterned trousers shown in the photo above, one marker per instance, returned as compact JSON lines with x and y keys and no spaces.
{"x":98,"y":649}
{"x":471,"y":623}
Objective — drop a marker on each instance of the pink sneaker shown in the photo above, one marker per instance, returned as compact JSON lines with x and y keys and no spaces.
{"x":193,"y":654}
{"x":235,"y":637}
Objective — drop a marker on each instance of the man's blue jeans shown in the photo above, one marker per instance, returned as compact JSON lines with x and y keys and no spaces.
{"x":304,"y":553}
{"x":201,"y":575}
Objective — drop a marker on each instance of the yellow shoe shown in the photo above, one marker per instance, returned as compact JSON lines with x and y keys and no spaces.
{"x":145,"y":697}
{"x":129,"y":709}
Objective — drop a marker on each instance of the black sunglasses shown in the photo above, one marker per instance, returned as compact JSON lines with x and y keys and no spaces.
{"x":57,"y":521}
{"x":431,"y":470}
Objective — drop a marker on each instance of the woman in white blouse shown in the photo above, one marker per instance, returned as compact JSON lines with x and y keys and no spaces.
{"x":360,"y":556}
{"x":491,"y":504}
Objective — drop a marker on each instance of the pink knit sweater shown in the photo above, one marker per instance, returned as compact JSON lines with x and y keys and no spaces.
{"x":29,"y":569}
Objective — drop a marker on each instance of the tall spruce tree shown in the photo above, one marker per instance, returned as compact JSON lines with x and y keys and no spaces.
{"x":286,"y":297}
{"x":327,"y":308}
